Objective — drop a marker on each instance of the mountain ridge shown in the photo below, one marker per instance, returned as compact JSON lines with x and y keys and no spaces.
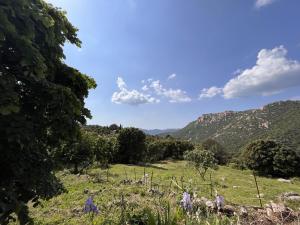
{"x":158,"y":131}
{"x":234,"y":129}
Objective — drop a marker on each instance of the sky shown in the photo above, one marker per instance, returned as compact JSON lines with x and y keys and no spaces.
{"x":163,"y":63}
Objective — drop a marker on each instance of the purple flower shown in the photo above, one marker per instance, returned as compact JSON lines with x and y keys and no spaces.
{"x":220,"y":201}
{"x":186,"y":201}
{"x":89,"y":206}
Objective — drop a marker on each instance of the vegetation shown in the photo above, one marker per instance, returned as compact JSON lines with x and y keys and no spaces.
{"x":131,"y":145}
{"x":159,"y":148}
{"x":234,"y":130}
{"x":270,"y":158}
{"x":201,"y":160}
{"x":42,"y":101}
{"x":238,"y":187}
{"x":68,"y":173}
{"x":220,"y":153}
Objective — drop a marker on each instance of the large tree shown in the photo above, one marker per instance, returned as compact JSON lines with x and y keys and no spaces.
{"x":217,"y":149}
{"x":41,"y":101}
{"x":269,"y":157}
{"x":131,"y":144}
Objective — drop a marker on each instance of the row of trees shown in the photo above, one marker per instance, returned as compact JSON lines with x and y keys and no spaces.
{"x":266,"y":157}
{"x":127,"y":145}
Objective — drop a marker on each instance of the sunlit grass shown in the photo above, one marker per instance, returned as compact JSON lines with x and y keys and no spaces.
{"x":237,"y":186}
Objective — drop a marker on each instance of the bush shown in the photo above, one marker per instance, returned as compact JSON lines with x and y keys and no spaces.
{"x":164,"y":148}
{"x":79,"y":152}
{"x":201,"y":160}
{"x":286,"y":162}
{"x":219,"y":151}
{"x":131,"y":142}
{"x":268,"y":157}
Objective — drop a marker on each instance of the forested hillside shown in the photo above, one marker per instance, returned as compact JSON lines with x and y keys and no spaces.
{"x":279,"y":120}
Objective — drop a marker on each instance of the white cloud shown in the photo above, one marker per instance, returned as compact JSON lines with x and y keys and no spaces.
{"x":262,"y":3}
{"x":210,"y":92}
{"x":130,"y":97}
{"x":172,"y":76}
{"x":273,"y":73}
{"x":174,"y":96}
{"x":145,"y":88}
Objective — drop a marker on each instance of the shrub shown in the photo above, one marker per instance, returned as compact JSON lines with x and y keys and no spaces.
{"x":131,"y":142}
{"x":286,"y":162}
{"x":219,"y":151}
{"x":201,"y":160}
{"x":163,"y":148}
{"x":268,"y":157}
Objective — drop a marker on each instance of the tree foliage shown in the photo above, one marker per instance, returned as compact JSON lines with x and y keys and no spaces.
{"x":106,"y":150}
{"x":132,"y":146}
{"x":41,"y":100}
{"x":159,"y":148}
{"x":268,"y":157}
{"x":201,"y":160}
{"x":219,"y":151}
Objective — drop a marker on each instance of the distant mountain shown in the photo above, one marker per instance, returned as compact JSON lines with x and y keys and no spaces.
{"x":279,"y":120}
{"x":158,"y":131}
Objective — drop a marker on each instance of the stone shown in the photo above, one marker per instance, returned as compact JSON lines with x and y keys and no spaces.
{"x":278,"y":208}
{"x":269,"y":211}
{"x":290,"y":196}
{"x":210,"y":204}
{"x":284,"y":180}
{"x":228,"y":210}
{"x":243,"y":211}
{"x":293,"y":198}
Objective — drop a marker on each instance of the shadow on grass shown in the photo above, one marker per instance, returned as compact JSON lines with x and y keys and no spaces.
{"x":155,"y":167}
{"x":148,"y":166}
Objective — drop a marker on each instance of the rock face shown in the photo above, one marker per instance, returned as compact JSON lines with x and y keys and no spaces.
{"x":279,"y":120}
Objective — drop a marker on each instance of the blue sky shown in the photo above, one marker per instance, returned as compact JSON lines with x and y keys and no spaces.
{"x":163,"y":63}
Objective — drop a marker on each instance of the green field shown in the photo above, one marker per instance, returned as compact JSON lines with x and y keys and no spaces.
{"x":237,"y":186}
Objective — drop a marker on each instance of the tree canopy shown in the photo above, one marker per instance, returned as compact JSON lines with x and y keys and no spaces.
{"x":132,"y":146}
{"x":41,"y":100}
{"x":201,"y":160}
{"x":268,"y":157}
{"x":219,"y":151}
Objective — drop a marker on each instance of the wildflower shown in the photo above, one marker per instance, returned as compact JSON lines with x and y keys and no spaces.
{"x":186,"y":201}
{"x":220,"y":202}
{"x":90,"y":207}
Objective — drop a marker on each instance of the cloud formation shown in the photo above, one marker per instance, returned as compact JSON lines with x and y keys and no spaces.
{"x":210,"y":92}
{"x":262,"y":3}
{"x":174,"y":95}
{"x":130,"y":97}
{"x":145,"y":88}
{"x":172,"y":76}
{"x":272,"y":73}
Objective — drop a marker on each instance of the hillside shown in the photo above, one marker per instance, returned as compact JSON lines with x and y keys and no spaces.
{"x":279,"y":120}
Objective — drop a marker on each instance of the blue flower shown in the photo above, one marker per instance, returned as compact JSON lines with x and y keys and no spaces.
{"x":89,"y":206}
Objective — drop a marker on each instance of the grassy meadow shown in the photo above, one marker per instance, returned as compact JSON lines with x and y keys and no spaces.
{"x":237,"y":186}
